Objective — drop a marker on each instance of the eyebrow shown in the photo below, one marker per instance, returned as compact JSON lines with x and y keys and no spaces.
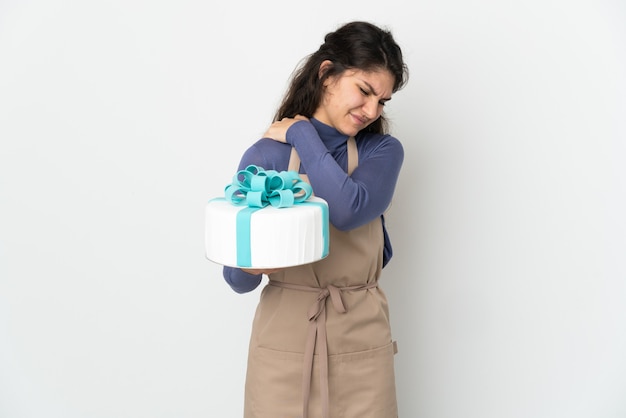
{"x":369,"y":86}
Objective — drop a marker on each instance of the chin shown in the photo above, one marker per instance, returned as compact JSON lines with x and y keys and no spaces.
{"x":350,"y":131}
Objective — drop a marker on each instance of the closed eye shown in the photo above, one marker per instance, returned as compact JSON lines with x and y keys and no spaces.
{"x":366,"y":93}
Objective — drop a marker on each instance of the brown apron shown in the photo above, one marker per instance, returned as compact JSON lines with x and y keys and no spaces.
{"x":321,"y":342}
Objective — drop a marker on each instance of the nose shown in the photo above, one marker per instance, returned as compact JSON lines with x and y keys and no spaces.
{"x":370,"y":109}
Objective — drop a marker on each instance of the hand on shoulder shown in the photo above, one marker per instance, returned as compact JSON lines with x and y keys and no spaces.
{"x":278,"y":130}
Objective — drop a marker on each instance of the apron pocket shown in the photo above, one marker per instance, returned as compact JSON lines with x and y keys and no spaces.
{"x":273,"y":384}
{"x":362,"y":384}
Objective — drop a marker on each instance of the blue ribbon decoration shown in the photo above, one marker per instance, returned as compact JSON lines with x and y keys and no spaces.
{"x":257,"y":188}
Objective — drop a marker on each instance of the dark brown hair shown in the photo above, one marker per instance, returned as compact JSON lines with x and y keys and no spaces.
{"x":355,"y":45}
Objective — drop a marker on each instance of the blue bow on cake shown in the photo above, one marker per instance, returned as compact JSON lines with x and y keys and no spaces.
{"x":257,"y":188}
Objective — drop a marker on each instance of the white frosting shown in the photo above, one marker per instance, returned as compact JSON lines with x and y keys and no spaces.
{"x":278,"y":237}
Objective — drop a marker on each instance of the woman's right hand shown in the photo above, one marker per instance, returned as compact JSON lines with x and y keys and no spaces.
{"x":278,"y":130}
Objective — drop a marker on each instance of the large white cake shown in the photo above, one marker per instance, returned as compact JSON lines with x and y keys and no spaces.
{"x":275,"y":237}
{"x":248,"y":236}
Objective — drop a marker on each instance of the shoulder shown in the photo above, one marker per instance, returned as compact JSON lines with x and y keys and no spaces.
{"x":267,"y":153}
{"x":268,"y":145}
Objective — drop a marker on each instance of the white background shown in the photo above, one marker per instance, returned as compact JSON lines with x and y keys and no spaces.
{"x":119,"y":119}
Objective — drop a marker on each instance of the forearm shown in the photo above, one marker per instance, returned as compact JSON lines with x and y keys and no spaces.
{"x":353,"y":200}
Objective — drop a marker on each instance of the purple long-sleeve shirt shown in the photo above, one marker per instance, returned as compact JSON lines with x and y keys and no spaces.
{"x":352,"y":200}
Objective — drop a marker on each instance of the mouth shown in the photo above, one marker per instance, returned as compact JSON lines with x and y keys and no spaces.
{"x":359,"y":120}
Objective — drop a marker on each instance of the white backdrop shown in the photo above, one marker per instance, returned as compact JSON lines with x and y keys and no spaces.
{"x":119,"y":119}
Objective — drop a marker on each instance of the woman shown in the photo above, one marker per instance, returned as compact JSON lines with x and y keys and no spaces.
{"x":321,"y":342}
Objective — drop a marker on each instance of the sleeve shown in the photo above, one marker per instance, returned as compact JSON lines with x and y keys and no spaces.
{"x":257,"y":155}
{"x":239,"y":280}
{"x":352,"y":200}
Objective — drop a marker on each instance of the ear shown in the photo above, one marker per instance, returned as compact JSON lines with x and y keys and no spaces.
{"x":324,"y":66}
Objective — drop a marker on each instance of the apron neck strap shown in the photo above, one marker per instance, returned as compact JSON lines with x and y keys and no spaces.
{"x":353,"y":157}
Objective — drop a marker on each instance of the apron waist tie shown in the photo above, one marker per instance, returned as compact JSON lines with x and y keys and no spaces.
{"x":317,"y":329}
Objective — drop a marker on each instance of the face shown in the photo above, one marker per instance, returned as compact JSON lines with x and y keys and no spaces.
{"x":354,"y":99}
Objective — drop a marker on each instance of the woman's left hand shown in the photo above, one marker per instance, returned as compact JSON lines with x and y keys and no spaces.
{"x":278,"y":130}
